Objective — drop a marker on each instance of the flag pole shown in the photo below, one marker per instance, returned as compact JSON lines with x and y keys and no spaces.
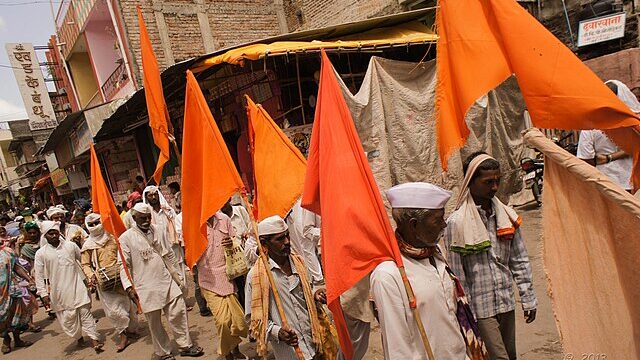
{"x":272,"y":283}
{"x":416,"y":315}
{"x":126,"y":271}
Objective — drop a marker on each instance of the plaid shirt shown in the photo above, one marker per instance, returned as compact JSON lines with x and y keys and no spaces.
{"x":487,"y":276}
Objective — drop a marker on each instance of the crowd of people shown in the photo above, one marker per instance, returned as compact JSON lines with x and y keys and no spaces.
{"x":461,"y":271}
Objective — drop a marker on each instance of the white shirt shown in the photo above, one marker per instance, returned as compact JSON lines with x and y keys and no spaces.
{"x":240,"y":220}
{"x":434,"y":291}
{"x":595,"y":142}
{"x":152,"y":280}
{"x":61,"y":264}
{"x":304,"y":233}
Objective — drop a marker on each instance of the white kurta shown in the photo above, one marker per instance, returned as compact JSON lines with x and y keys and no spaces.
{"x":163,"y":220}
{"x":304,"y":231}
{"x":62,"y":265}
{"x":434,"y":291}
{"x":152,"y":280}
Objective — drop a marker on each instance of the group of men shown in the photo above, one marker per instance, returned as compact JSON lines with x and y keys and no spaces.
{"x":463,"y":285}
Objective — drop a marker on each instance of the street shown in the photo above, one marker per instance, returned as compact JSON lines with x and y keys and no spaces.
{"x":539,"y":340}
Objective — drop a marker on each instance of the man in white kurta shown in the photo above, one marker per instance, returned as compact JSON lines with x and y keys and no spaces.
{"x":418,"y":211}
{"x":68,"y":296}
{"x":304,"y":232}
{"x":163,"y":217}
{"x":151,"y":263}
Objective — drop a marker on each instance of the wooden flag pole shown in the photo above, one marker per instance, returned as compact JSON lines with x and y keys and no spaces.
{"x":272,"y":283}
{"x":416,"y":315}
{"x":126,"y":271}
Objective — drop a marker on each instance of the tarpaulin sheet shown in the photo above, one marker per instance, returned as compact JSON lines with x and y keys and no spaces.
{"x":591,"y":252}
{"x":409,"y":33}
{"x":394,"y":115}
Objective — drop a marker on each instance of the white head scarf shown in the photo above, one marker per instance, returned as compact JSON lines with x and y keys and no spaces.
{"x":46,"y":226}
{"x":152,"y":189}
{"x":55,"y":210}
{"x":97,"y":235}
{"x":626,"y":95}
{"x":142,"y":208}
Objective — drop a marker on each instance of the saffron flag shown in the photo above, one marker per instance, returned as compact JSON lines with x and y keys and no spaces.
{"x":102,"y":201}
{"x":340,"y":187}
{"x":209,"y":176}
{"x":483,"y":42}
{"x":156,"y":107}
{"x":278,"y":166}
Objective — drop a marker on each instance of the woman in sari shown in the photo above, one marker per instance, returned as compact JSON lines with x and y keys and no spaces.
{"x":17,"y":305}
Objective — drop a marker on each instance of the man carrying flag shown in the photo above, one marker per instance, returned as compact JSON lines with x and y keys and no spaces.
{"x":418,"y":209}
{"x":310,"y":328}
{"x":153,"y":268}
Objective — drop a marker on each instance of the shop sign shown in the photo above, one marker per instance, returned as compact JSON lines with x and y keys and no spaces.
{"x":35,"y":94}
{"x":59,"y":177}
{"x":601,"y":29}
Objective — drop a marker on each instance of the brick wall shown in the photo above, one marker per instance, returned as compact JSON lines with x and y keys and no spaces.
{"x":185,"y":26}
{"x":309,"y":14}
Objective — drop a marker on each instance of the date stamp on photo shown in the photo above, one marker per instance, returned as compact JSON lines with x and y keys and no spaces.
{"x":585,"y":356}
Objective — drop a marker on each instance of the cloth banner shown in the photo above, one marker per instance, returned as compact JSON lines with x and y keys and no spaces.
{"x":591,"y":252}
{"x":394,"y":114}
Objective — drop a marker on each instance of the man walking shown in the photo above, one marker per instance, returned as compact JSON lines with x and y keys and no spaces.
{"x":69,"y":232}
{"x":156,"y":284}
{"x":68,"y":296}
{"x":487,"y":253}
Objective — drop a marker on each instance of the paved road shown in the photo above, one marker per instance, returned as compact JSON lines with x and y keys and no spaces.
{"x":538,"y":340}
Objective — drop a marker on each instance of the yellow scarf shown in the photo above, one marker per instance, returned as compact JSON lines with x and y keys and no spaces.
{"x":323,"y":332}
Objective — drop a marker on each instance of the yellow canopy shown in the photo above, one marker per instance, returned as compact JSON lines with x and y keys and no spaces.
{"x":409,"y":33}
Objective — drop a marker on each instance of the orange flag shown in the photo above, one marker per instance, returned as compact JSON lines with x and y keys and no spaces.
{"x":483,"y":42}
{"x":278,"y":166}
{"x":340,"y":187}
{"x":156,"y":107}
{"x":102,"y":201}
{"x":209,"y":176}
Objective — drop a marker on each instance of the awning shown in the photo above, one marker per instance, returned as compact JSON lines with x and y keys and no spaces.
{"x":133,"y":113}
{"x":410,"y":33}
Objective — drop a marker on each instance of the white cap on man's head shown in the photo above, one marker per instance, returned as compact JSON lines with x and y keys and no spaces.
{"x":272,"y":225}
{"x":418,"y":195}
{"x":142,"y":208}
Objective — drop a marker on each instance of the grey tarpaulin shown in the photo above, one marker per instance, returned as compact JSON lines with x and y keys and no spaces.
{"x":394,"y":114}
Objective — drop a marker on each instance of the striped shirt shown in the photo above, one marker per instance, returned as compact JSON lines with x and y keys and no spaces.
{"x":488,"y":276}
{"x":212,"y":266}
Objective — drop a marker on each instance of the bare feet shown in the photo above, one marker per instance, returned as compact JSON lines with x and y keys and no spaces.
{"x":122,"y":343}
{"x":97,"y":345}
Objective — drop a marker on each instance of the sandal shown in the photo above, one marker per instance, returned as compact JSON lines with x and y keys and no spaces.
{"x":167,"y":357}
{"x":35,"y":329}
{"x":22,"y":343}
{"x":97,"y":346}
{"x":193,"y":351}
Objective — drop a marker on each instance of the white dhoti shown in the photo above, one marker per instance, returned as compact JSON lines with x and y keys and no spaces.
{"x":120,"y":310}
{"x":176,"y":314}
{"x":78,"y":321}
{"x":178,"y":251}
{"x":359,"y":334}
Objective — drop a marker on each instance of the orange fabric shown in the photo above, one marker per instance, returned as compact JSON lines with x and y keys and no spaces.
{"x":156,"y":107}
{"x":102,"y":201}
{"x":482,"y":42}
{"x":278,"y":166}
{"x":209,"y":176}
{"x":340,"y":187}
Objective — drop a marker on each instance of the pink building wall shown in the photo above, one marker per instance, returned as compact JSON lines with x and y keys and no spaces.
{"x":100,"y":42}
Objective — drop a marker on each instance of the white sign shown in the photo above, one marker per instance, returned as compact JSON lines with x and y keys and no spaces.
{"x":32,"y":87}
{"x":601,"y":29}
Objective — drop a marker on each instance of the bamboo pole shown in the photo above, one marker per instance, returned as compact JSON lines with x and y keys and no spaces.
{"x":272,"y":283}
{"x":416,"y":315}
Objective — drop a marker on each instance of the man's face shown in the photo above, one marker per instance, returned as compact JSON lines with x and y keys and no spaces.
{"x":486,"y":184}
{"x":227,"y":209}
{"x":33,"y":234}
{"x":279,"y":245}
{"x":3,"y":222}
{"x":143,"y":221}
{"x":53,"y":237}
{"x":59,"y":217}
{"x":429,"y":229}
{"x":3,"y":232}
{"x":153,"y":198}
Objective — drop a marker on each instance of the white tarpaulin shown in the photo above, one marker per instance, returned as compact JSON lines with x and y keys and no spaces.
{"x":394,"y":115}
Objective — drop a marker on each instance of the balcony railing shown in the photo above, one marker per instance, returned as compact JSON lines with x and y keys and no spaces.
{"x":116,"y":81}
